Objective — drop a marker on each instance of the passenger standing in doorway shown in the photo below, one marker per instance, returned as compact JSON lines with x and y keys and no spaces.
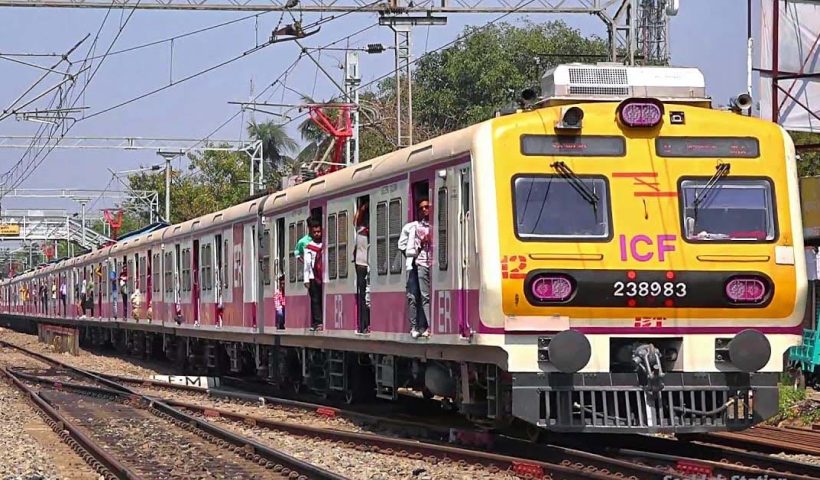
{"x":55,"y":308}
{"x":90,"y":294}
{"x":303,"y":242}
{"x":279,"y":303}
{"x":43,"y":298}
{"x":77,"y":297}
{"x":124,"y":292}
{"x":63,"y":295}
{"x":112,"y":280}
{"x":313,"y":273}
{"x":361,"y":222}
{"x":419,"y":260}
{"x":83,"y":297}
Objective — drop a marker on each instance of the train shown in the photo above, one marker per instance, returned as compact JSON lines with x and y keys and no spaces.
{"x":615,"y":255}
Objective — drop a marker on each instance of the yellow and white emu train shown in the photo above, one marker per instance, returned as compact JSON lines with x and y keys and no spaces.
{"x":617,"y":256}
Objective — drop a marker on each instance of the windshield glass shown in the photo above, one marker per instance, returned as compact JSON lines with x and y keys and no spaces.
{"x":734,"y":210}
{"x":552,"y":207}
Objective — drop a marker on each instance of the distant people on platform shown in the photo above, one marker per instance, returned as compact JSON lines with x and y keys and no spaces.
{"x":312,"y":258}
{"x":361,"y":224}
{"x":279,"y":303}
{"x":54,"y":297}
{"x":415,"y":242}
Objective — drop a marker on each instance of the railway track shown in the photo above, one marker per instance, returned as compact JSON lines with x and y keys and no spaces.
{"x":673,"y":455}
{"x":634,"y":456}
{"x":78,"y":400}
{"x":122,"y":434}
{"x":765,"y":438}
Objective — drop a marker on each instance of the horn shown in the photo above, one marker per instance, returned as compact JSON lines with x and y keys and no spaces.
{"x":741,"y":102}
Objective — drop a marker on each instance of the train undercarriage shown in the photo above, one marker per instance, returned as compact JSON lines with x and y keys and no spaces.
{"x":481,"y":392}
{"x":524,"y":403}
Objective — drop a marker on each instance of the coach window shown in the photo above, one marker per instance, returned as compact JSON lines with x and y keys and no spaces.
{"x":142,"y":267}
{"x":131,"y":274}
{"x":394,"y":232}
{"x":330,"y":241}
{"x":300,"y":232}
{"x":292,"y":239}
{"x":265,"y":251}
{"x":207,"y":271}
{"x":550,"y":207}
{"x":381,"y":237}
{"x":155,"y":273}
{"x":729,"y":210}
{"x":168,"y":272}
{"x":341,"y":244}
{"x":186,"y":269}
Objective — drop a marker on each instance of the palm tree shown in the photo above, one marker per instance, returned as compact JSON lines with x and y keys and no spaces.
{"x":276,"y":145}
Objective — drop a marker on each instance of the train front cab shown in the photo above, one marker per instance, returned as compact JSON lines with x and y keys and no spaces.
{"x":649,"y":280}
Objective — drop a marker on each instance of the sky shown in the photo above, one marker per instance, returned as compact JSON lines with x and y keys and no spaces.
{"x":707,"y":34}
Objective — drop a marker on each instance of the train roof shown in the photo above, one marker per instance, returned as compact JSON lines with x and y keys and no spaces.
{"x":374,"y":170}
{"x":609,"y":82}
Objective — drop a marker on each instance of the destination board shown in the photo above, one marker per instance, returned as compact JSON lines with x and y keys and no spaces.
{"x":724,"y":147}
{"x":573,"y":145}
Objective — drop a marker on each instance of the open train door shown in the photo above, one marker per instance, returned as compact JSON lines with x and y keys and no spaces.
{"x":465,"y":255}
{"x":195,"y":292}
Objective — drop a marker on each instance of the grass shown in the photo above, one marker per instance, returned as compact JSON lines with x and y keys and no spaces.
{"x":795,"y":407}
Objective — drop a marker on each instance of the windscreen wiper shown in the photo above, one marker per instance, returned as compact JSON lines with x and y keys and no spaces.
{"x":576,"y":183}
{"x":721,"y":170}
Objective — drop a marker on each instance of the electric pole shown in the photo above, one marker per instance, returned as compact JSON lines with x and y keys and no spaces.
{"x":168,"y":156}
{"x":352,"y":81}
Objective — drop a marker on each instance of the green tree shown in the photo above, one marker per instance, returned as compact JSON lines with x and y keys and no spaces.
{"x":466,"y":83}
{"x":276,"y":146}
{"x":809,"y":159}
{"x":469,"y":81}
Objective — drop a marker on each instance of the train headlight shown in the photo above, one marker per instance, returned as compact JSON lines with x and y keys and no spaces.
{"x":746,"y":289}
{"x":640,"y":112}
{"x":571,"y":119}
{"x":549,"y":288}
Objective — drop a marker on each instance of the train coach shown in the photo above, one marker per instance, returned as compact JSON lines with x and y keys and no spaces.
{"x":616,"y":256}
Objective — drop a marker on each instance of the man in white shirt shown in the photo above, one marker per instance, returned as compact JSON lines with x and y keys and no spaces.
{"x":360,"y":260}
{"x":419,"y":261}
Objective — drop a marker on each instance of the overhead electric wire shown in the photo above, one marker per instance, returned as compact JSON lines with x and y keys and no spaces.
{"x":32,"y":166}
{"x":183,"y":35}
{"x":318,"y":23}
{"x":39,"y":133}
{"x":442,"y":47}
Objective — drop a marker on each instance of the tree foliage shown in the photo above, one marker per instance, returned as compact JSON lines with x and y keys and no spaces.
{"x":809,"y":161}
{"x":469,"y":81}
{"x":213,"y":180}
